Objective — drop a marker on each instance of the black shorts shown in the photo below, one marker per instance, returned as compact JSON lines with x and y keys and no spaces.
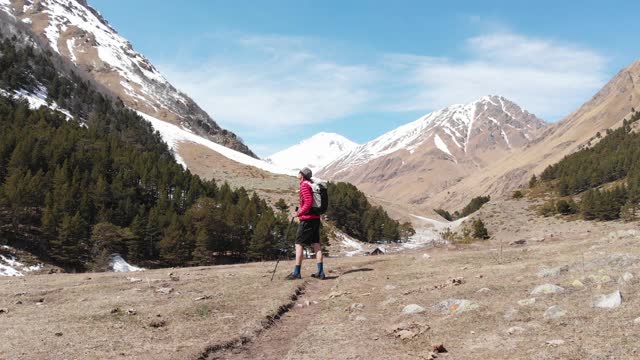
{"x":308,"y":232}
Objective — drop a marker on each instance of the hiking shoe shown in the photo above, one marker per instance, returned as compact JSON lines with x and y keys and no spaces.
{"x":293,"y":276}
{"x":319,"y":276}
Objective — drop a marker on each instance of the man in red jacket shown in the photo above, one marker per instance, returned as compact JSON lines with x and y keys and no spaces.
{"x":309,"y":228}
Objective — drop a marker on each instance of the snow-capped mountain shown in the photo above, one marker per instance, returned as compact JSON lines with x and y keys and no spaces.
{"x":77,"y":32}
{"x":314,"y":152}
{"x":453,"y":130}
{"x":430,"y":154}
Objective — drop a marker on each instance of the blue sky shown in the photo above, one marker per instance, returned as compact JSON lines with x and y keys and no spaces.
{"x":277,"y":72}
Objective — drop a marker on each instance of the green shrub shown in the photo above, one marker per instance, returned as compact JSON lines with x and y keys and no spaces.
{"x":479,"y":230}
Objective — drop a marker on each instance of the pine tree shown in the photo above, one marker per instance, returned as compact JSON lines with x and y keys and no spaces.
{"x":479,"y":230}
{"x":135,"y":245}
{"x":71,"y":248}
{"x":175,"y":246}
{"x":262,"y":242}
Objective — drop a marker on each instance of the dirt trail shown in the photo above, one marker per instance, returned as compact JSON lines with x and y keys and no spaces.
{"x":275,"y":342}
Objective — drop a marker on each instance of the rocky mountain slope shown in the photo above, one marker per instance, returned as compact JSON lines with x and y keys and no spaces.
{"x":604,"y":110}
{"x":314,"y":152}
{"x":418,"y":160}
{"x":77,"y":32}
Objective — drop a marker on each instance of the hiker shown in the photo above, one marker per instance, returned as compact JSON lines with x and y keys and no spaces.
{"x":309,"y":228}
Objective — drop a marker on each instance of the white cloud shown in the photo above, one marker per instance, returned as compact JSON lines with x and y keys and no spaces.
{"x":277,"y":81}
{"x":261,"y":86}
{"x":546,"y":77}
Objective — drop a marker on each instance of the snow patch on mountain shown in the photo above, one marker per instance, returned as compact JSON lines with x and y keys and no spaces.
{"x":36,"y":99}
{"x":506,"y":138}
{"x":314,"y":152}
{"x":441,"y":145}
{"x":174,"y":135}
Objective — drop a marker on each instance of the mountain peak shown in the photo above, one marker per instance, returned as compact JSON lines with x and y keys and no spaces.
{"x":314,"y":152}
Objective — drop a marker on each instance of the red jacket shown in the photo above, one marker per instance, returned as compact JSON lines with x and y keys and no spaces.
{"x":306,"y":201}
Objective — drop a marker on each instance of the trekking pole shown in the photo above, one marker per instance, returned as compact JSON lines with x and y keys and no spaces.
{"x":286,"y":235}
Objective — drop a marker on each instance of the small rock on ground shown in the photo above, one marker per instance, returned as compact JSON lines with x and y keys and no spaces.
{"x":599,"y":279}
{"x":455,"y":306}
{"x":389,"y":301}
{"x":546,"y":289}
{"x":527,"y":302}
{"x":554,"y":312}
{"x":515,"y":330}
{"x":413,"y":309}
{"x":407,"y":331}
{"x":625,"y":278}
{"x":552,"y":272}
{"x":556,"y":342}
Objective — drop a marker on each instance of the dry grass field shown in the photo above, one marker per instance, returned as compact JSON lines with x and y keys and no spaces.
{"x":358,"y":313}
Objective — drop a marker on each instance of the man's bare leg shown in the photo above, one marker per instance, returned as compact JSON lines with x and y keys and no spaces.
{"x":299,"y":250}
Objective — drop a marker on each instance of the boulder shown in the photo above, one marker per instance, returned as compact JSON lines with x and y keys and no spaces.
{"x":609,"y":301}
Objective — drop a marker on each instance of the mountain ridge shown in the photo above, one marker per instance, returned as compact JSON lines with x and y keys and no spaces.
{"x":79,"y":33}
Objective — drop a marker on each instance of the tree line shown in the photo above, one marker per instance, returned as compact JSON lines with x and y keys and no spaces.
{"x":350,"y":211}
{"x":474,"y":205}
{"x":605,"y":177}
